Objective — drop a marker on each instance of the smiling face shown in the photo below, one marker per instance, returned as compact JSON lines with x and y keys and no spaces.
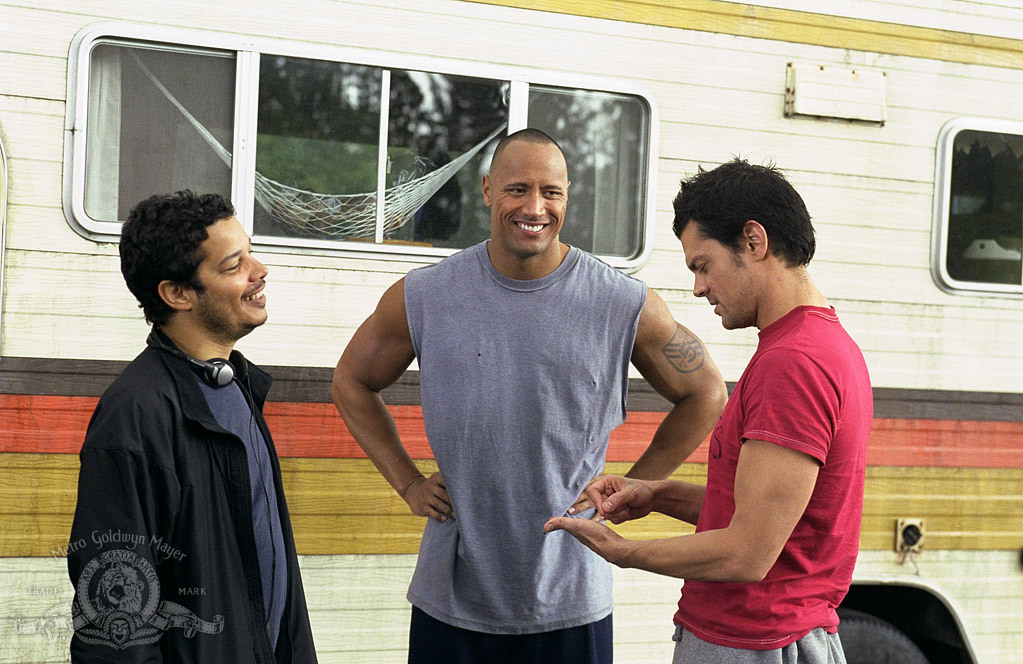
{"x":231,"y":303}
{"x":723,"y":276}
{"x":527,"y":193}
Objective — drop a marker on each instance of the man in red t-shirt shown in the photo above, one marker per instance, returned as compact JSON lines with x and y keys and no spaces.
{"x":778,"y":523}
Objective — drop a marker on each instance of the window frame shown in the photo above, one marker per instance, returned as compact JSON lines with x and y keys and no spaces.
{"x":942,"y":207}
{"x":247,"y":51}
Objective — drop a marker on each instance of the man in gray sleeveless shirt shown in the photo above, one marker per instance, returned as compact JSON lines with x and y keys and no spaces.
{"x":523,"y":346}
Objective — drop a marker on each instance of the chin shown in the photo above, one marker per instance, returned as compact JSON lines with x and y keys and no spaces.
{"x":245,"y":328}
{"x":736,"y":324}
{"x":731,"y":322}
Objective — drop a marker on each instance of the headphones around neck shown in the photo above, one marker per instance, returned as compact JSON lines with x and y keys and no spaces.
{"x":217,"y":372}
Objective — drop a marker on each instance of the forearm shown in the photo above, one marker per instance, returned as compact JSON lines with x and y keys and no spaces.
{"x":713,"y":555}
{"x":679,"y":434}
{"x":373,"y":428}
{"x":773,"y":486}
{"x":679,"y":500}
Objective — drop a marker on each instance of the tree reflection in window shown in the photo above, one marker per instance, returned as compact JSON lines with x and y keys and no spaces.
{"x":319,"y":132}
{"x":985,"y":232}
{"x":323,"y":154}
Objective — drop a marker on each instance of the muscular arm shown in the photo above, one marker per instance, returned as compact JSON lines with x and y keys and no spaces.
{"x":375,"y":358}
{"x":679,"y":500}
{"x":676,"y":364}
{"x":620,"y":499}
{"x":773,"y":485}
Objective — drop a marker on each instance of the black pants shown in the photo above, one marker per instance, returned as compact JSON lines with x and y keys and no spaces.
{"x":434,"y":642}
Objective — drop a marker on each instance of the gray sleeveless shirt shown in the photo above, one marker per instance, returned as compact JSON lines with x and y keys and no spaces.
{"x":522,"y":383}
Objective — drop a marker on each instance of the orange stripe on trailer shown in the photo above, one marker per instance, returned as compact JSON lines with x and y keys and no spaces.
{"x":316,"y":430}
{"x":945,"y":443}
{"x":57,"y":424}
{"x":42,"y":423}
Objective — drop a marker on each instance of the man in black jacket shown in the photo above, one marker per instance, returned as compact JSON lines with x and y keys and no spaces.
{"x":181,"y":548}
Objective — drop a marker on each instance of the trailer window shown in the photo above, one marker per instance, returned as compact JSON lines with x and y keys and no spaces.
{"x":342,"y":154}
{"x":140,"y":142}
{"x":607,"y":155}
{"x":322,"y":152}
{"x":979,"y":208}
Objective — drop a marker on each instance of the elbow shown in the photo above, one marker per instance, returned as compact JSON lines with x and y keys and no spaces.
{"x":708,"y":398}
{"x":337,"y":387}
{"x":350,"y":393}
{"x":746,"y":566}
{"x":343,"y":389}
{"x":717,"y":396}
{"x":708,"y":403}
{"x":750,"y":574}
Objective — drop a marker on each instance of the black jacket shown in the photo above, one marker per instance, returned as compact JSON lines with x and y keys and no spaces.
{"x":162,"y":552}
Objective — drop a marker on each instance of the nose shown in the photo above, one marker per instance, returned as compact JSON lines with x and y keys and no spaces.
{"x":699,"y":287}
{"x":259,"y":271}
{"x":534,"y":204}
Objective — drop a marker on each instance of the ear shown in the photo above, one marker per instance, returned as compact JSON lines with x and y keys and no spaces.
{"x":176,"y":296}
{"x":754,"y":240}
{"x":486,"y":190}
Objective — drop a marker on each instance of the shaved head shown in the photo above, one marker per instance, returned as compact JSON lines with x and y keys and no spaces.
{"x":528,"y":135}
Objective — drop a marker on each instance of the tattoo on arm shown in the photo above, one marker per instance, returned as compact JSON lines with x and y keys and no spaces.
{"x":684,"y":351}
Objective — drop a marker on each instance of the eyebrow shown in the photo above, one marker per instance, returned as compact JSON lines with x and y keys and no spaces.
{"x":234,"y":255}
{"x":524,"y":184}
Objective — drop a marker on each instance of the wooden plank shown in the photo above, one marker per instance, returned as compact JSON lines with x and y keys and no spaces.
{"x":36,"y":182}
{"x":694,"y":104}
{"x":35,"y":128}
{"x":708,"y":15}
{"x":33,"y":76}
{"x":56,"y":424}
{"x":638,"y":621}
{"x":31,"y":30}
{"x":42,"y":283}
{"x":343,"y":506}
{"x":34,"y":227}
{"x":998,"y":17}
{"x":892,"y":341}
{"x":834,"y":272}
{"x":716,"y":144}
{"x":357,"y":603}
{"x":757,"y":66}
{"x":40,"y":485}
{"x":767,"y":23}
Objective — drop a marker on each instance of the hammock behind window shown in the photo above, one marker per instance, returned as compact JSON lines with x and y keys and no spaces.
{"x":337,"y":216}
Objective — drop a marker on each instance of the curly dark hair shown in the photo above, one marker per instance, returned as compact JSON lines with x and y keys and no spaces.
{"x":720,"y":201}
{"x":161,"y":240}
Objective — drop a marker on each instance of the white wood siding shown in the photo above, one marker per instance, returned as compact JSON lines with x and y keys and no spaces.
{"x":999,"y":18}
{"x":869,"y":188}
{"x":360,"y":615}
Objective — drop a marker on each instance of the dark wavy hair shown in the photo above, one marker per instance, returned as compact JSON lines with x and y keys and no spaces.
{"x":720,"y":202}
{"x":161,"y":240}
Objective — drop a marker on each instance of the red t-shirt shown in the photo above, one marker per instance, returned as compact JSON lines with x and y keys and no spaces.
{"x":807,"y":389}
